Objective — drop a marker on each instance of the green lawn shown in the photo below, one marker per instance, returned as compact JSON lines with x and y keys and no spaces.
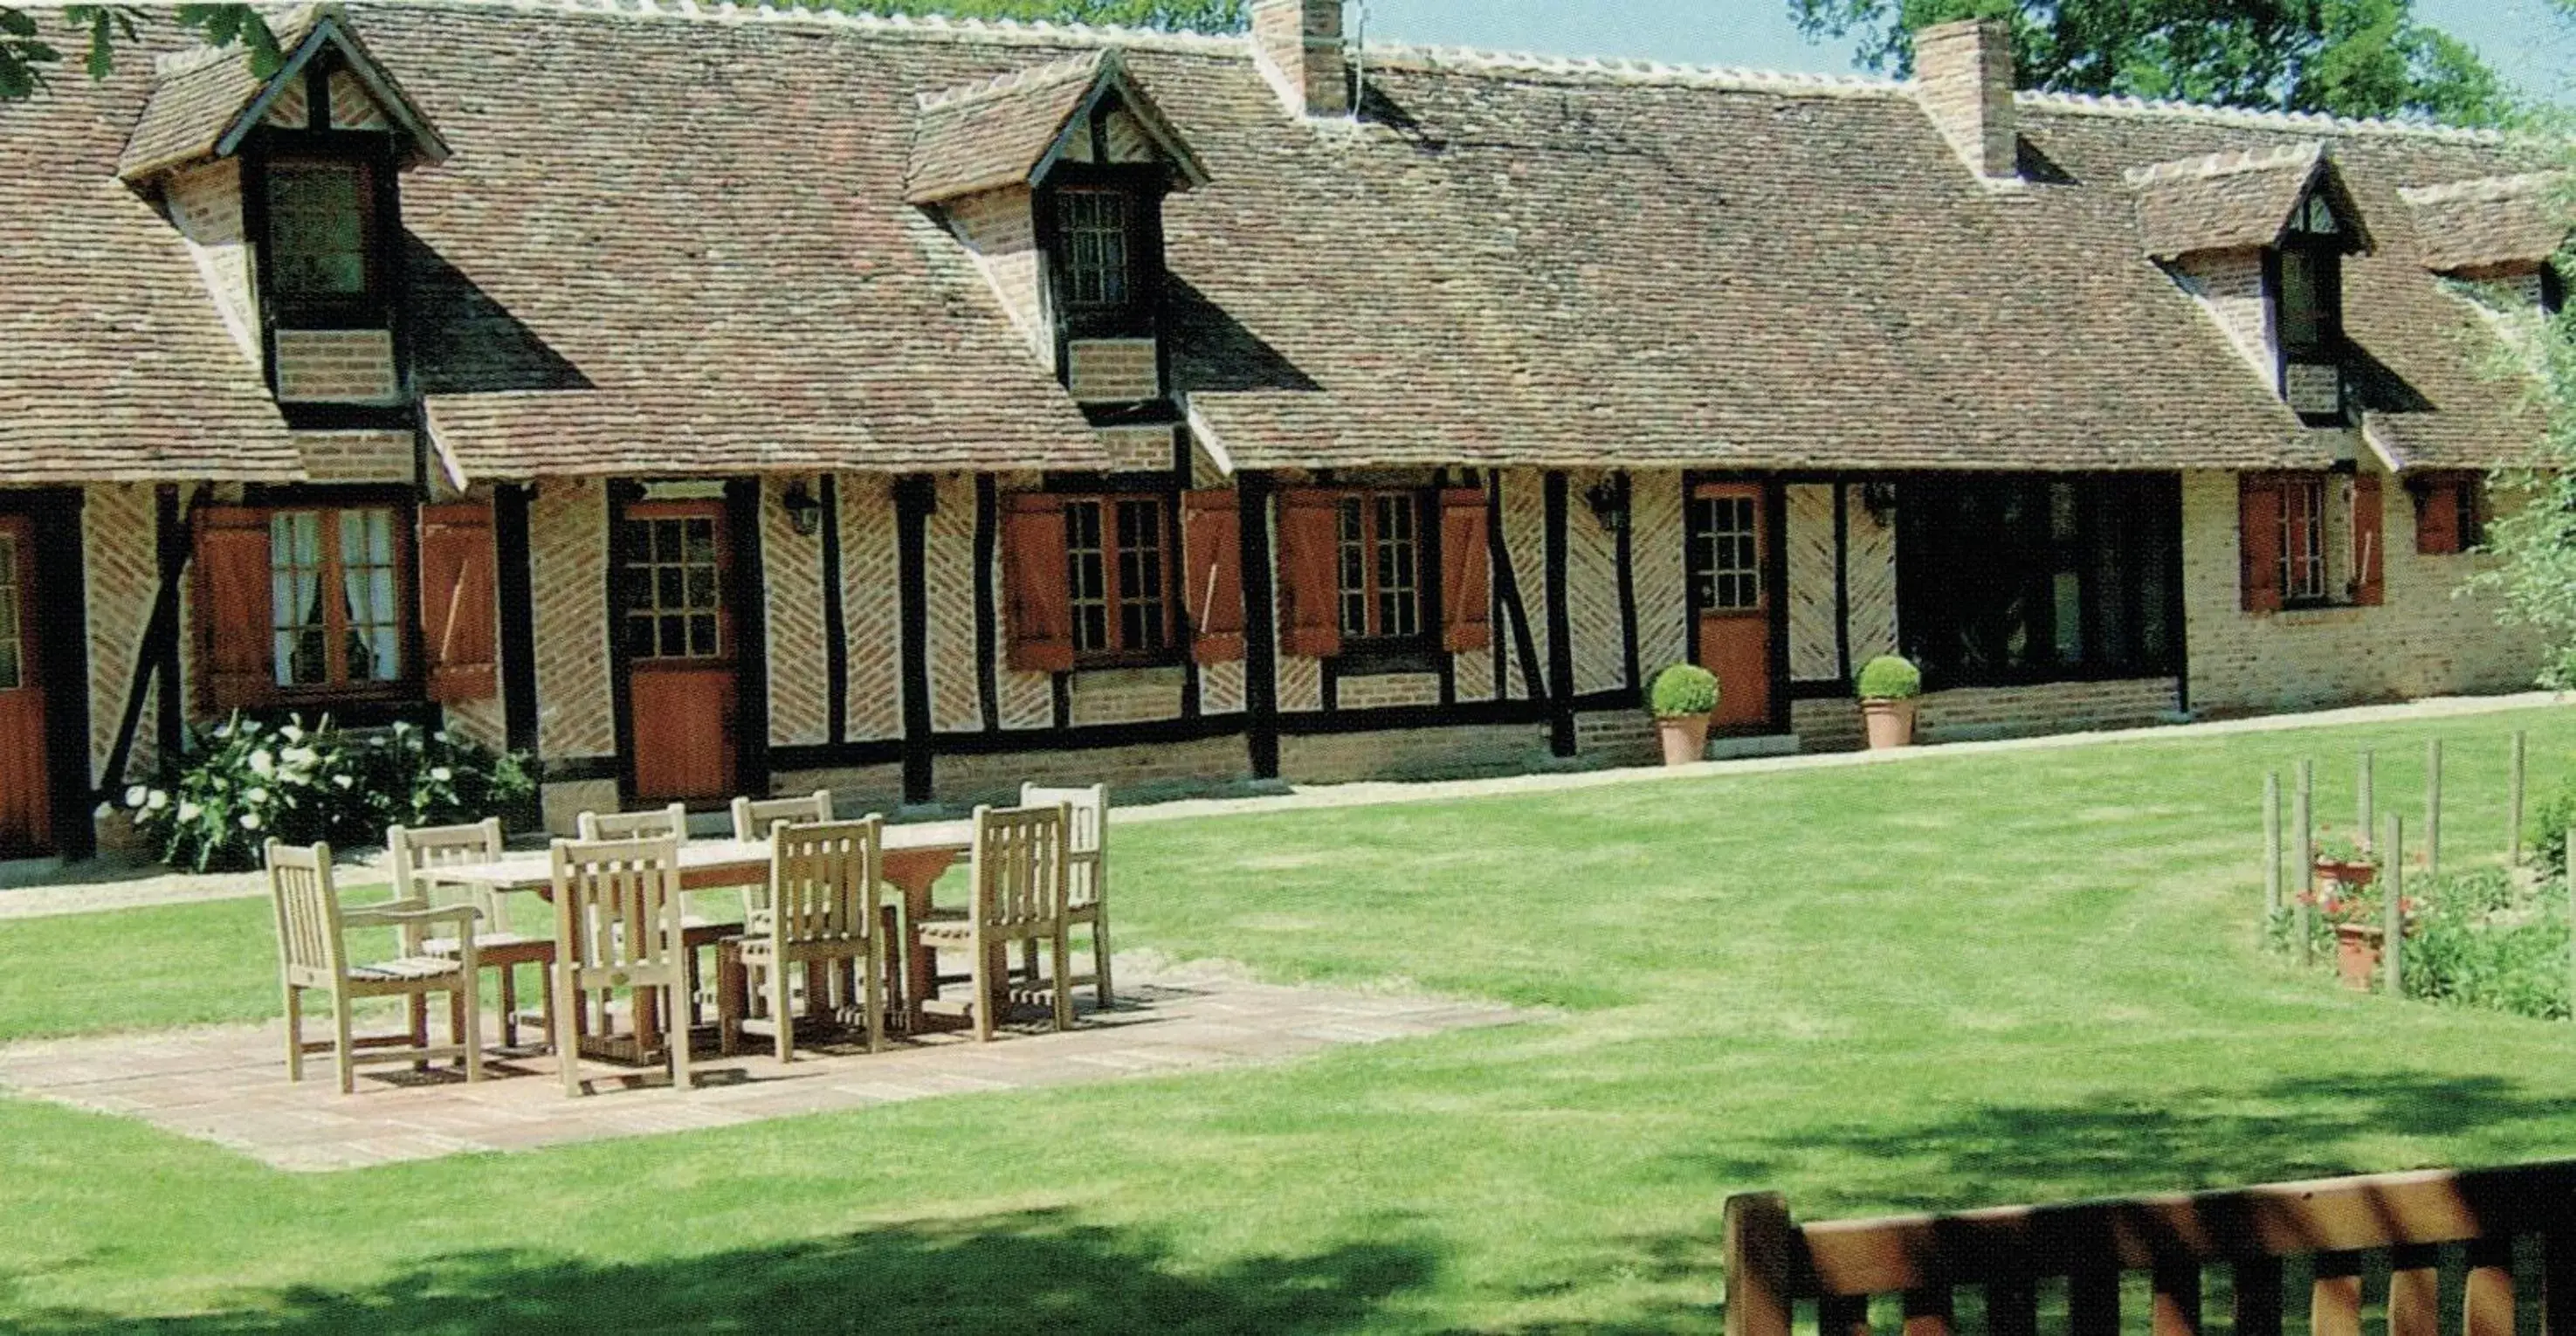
{"x":1954,"y":982}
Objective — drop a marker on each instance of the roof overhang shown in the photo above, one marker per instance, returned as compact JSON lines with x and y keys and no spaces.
{"x":1015,"y":129}
{"x":207,"y":108}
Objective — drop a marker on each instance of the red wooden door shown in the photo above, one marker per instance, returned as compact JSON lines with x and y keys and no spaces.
{"x":674,"y":586}
{"x":1730,"y":562}
{"x":26,"y":802}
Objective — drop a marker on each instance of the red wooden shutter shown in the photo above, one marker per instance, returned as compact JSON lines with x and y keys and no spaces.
{"x":456,"y":602}
{"x":1464,"y":596}
{"x":1040,"y":615}
{"x":2437,"y":518}
{"x":1309,"y":546}
{"x":2258,"y":540}
{"x":2369,"y":547}
{"x":1212,"y":542}
{"x":233,"y":617}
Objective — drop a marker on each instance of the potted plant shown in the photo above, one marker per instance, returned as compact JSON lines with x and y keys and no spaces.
{"x":1887,"y":687}
{"x":1682,"y":699}
{"x":2346,"y":897}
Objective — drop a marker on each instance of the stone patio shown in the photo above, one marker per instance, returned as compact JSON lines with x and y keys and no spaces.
{"x":228,"y":1085}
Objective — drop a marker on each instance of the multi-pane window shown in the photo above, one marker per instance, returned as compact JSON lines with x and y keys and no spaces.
{"x":1092,"y":227}
{"x":2311,"y":297}
{"x":13,"y":649}
{"x":321,"y":216}
{"x":671,"y":575}
{"x":335,"y":614}
{"x":1117,"y":559}
{"x":2015,"y":579}
{"x":2303,"y":539}
{"x":1378,"y":561}
{"x":1726,"y":553}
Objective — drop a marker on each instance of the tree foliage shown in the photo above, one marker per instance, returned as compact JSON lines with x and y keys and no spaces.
{"x":28,"y":54}
{"x":2345,"y":57}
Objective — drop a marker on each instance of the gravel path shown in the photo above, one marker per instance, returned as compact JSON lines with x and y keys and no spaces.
{"x":42,"y":888}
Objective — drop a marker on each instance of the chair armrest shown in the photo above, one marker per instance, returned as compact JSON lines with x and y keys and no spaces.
{"x":380,"y":917}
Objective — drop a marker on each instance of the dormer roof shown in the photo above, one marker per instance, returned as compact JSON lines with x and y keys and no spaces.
{"x":2491,"y":222}
{"x":1010,"y":130}
{"x":2227,"y":201}
{"x":203,"y":104}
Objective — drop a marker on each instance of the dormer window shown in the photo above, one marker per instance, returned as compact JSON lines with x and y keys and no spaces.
{"x":2312,"y":281}
{"x":1093,"y":227}
{"x":322,"y":240}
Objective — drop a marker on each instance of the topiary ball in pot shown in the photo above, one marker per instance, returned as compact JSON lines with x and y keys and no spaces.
{"x":1681,"y":700}
{"x":1887,"y":688}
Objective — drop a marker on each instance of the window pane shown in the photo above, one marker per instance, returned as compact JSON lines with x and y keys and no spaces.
{"x":1353,"y":563}
{"x":1087,"y":577}
{"x":295,"y":598}
{"x":12,"y":655}
{"x":1140,"y":574}
{"x":2303,"y":325}
{"x":1398,"y":595}
{"x":317,"y":229}
{"x":1094,"y":228}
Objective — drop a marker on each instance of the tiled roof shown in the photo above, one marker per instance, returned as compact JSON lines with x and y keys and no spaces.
{"x":991,"y":133}
{"x":2222,"y":201}
{"x":2498,"y":220}
{"x":113,"y":361}
{"x":1512,"y":260}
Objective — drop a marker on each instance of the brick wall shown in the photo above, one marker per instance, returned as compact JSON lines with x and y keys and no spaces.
{"x":2229,"y":287}
{"x":791,"y":570}
{"x":336,"y":366}
{"x":1525,"y":537}
{"x":1126,"y":770}
{"x":118,"y":552}
{"x":1300,"y":44}
{"x":205,"y":204}
{"x":1125,"y":695}
{"x":352,"y":107}
{"x":1378,"y":690}
{"x":1414,"y":753}
{"x":1815,"y":643}
{"x":357,"y":456}
{"x":1663,"y":594}
{"x":1872,"y":563}
{"x":956,"y":702}
{"x":1592,"y":590}
{"x":996,"y":227}
{"x":1973,"y":713}
{"x":1617,"y":737}
{"x":869,"y":606}
{"x":568,"y":556}
{"x":291,"y":110}
{"x":1114,"y":371}
{"x":2425,"y":640}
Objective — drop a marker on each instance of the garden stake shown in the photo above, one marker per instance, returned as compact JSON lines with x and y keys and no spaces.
{"x":2433,"y":805}
{"x":2513,"y":820}
{"x":2393,"y":910}
{"x":2271,"y":849}
{"x":2305,"y":814}
{"x":2362,"y":804}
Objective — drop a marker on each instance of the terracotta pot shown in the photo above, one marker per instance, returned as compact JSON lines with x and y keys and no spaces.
{"x":2357,"y":955}
{"x":1685,"y":738}
{"x":1890,"y":723}
{"x":2346,"y":874}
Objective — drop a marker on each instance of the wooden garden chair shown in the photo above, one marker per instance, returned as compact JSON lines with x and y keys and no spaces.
{"x":656,"y":823}
{"x":752,"y":818}
{"x":313,"y":953}
{"x":823,"y":912}
{"x":411,"y":853}
{"x":1086,"y":881}
{"x":617,"y":926}
{"x":1019,"y":882}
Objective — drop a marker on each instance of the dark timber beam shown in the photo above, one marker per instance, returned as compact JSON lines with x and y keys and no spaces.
{"x":988,"y":652}
{"x":1560,"y":630}
{"x":914,"y":497}
{"x":836,"y":624}
{"x":515,"y":582}
{"x":1260,"y":628}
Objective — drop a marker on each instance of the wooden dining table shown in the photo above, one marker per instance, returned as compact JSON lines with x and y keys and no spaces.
{"x":915,"y":855}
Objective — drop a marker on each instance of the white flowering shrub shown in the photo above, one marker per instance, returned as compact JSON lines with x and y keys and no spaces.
{"x":244,"y":781}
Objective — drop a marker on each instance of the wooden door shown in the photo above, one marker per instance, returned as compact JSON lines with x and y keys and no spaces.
{"x":26,"y":800}
{"x":675,"y":587}
{"x":1730,"y":565}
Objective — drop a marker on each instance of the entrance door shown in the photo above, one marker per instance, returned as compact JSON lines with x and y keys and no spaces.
{"x":26,"y":803}
{"x":674,"y":582}
{"x":1730,"y":549}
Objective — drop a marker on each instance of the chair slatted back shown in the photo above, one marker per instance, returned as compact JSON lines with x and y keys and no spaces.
{"x":1086,"y":839}
{"x":617,"y":904}
{"x":823,"y":880}
{"x":1020,"y":867}
{"x":309,"y":946}
{"x":659,"y":823}
{"x":752,"y":817}
{"x":411,"y":850}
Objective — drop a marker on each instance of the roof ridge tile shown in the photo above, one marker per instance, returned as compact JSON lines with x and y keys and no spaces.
{"x":935,"y":27}
{"x":2092,"y":104}
{"x":1605,"y":69}
{"x":1081,"y":64}
{"x":2485,"y":188}
{"x":2227,"y":162}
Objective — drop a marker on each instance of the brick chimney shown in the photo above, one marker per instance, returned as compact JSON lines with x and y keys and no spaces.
{"x":1299,"y":45}
{"x":1963,"y":76}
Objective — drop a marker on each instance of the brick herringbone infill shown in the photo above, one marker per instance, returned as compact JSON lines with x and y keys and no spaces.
{"x":228,"y":1084}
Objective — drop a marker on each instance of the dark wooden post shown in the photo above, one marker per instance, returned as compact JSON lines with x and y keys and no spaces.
{"x":1759,"y":1245}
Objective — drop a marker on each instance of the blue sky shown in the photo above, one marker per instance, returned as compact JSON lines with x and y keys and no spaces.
{"x":2516,"y":36}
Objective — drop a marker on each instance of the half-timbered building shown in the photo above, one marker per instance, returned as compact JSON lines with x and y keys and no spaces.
{"x":713,"y":400}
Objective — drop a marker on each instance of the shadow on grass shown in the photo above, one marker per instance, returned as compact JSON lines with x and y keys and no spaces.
{"x":1015,"y":1273}
{"x":2206,"y":1137}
